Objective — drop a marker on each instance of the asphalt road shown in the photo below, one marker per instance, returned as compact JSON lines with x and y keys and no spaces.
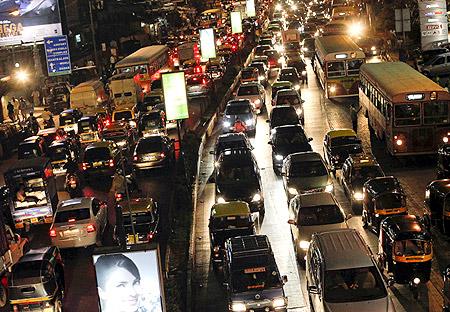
{"x":320,"y":116}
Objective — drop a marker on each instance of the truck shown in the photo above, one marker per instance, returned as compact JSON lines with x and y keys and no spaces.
{"x":290,"y":36}
{"x":89,"y":97}
{"x":125,"y":91}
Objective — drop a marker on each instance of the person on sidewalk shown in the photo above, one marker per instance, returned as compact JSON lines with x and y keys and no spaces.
{"x":354,"y":116}
{"x":36,"y":98}
{"x":15,"y":102}
{"x":23,"y":108}
{"x":10,"y":109}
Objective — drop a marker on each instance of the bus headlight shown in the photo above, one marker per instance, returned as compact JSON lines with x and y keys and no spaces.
{"x":292,"y":191}
{"x":332,"y":89}
{"x":427,"y":194}
{"x":278,"y":302}
{"x":304,"y":245}
{"x":416,"y":281}
{"x":297,"y":87}
{"x":399,"y":142}
{"x":358,"y":196}
{"x":238,"y":307}
{"x":221,"y":200}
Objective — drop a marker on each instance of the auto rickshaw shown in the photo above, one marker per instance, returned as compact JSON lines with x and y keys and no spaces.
{"x":437,"y":200}
{"x":153,"y":122}
{"x":405,"y":250}
{"x":443,"y":162}
{"x":60,"y":153}
{"x":383,"y":197}
{"x":88,"y":130}
{"x":229,"y":219}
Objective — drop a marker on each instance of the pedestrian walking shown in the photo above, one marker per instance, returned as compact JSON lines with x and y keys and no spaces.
{"x":10,"y":109}
{"x":36,"y":98}
{"x":15,"y":102}
{"x":23,"y":107}
{"x":354,"y":116}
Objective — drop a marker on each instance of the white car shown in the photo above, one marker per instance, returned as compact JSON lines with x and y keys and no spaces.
{"x":79,"y":222}
{"x":254,"y":92}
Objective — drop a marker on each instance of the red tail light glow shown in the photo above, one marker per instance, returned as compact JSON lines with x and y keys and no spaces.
{"x":84,"y":166}
{"x":71,"y":220}
{"x":162,"y":155}
{"x":150,"y":236}
{"x":90,"y":228}
{"x":135,"y":158}
{"x":52,"y":233}
{"x":111,"y":163}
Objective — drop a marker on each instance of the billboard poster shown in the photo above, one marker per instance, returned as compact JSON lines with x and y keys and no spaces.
{"x":250,"y":7}
{"x":175,"y":95}
{"x":207,"y":43}
{"x":129,"y":281}
{"x":236,"y":22}
{"x":433,"y":23}
{"x":23,"y":21}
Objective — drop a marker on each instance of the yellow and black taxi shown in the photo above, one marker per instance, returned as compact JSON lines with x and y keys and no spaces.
{"x":227,"y":220}
{"x":145,"y":218}
{"x":37,"y":281}
{"x":60,"y":153}
{"x":357,"y":170}
{"x":88,"y":130}
{"x":406,"y":250}
{"x":382,"y":197}
{"x":252,"y":278}
{"x":437,"y":199}
{"x":338,"y":144}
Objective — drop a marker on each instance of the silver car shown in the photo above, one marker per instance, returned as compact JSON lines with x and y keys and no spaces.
{"x":243,"y":110}
{"x":254,"y":92}
{"x":79,"y":222}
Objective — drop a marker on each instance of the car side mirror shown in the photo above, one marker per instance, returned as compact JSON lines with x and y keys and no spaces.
{"x":211,"y":152}
{"x":292,"y":222}
{"x":390,"y":281}
{"x":270,"y":143}
{"x":267,"y":121}
{"x":310,"y":139}
{"x":284,"y":279}
{"x":348,"y":217}
{"x":313,"y":290}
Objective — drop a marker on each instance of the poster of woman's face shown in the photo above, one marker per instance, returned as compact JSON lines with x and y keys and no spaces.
{"x":129,"y":281}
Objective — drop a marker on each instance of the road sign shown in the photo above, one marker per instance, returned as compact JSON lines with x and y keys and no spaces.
{"x":58,"y":56}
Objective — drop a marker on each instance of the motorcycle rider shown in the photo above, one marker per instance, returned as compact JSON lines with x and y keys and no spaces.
{"x":32,"y":123}
{"x":239,"y":125}
{"x":73,"y":183}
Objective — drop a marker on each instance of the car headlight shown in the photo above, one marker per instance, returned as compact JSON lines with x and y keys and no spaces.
{"x":297,"y":87}
{"x":299,"y":111}
{"x":416,"y":281}
{"x":257,"y":102}
{"x":132,"y":123}
{"x":304,"y":245}
{"x":256,"y":197}
{"x":221,"y":200}
{"x":249,"y":122}
{"x":329,"y":188}
{"x":332,"y":89}
{"x":279,"y":157}
{"x":261,"y":78}
{"x":226,"y":124}
{"x":358,"y":196}
{"x":121,"y":143}
{"x":427,"y":194}
{"x":292,"y":191}
{"x":278,"y":302}
{"x":373,"y":48}
{"x":304,"y":73}
{"x":238,"y":307}
{"x":216,"y":249}
{"x":280,"y":60}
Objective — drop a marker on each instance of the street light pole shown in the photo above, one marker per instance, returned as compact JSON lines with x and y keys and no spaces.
{"x":94,"y":42}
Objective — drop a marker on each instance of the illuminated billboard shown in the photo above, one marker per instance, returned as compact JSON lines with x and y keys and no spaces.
{"x":23,"y":21}
{"x":129,"y":281}
{"x":175,"y":95}
{"x":250,"y":8}
{"x":433,"y":23}
{"x":207,"y":43}
{"x":236,"y":22}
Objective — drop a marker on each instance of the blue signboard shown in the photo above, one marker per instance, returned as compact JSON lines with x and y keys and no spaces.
{"x":58,"y":56}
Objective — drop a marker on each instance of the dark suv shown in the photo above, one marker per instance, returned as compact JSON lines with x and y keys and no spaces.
{"x":101,"y":157}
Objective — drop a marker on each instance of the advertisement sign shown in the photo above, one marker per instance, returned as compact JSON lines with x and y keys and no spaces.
{"x":23,"y":21}
{"x":57,"y":55}
{"x":207,"y":43}
{"x":250,"y":8}
{"x":236,"y":22}
{"x":175,"y":95}
{"x":129,"y":281}
{"x":433,"y":23}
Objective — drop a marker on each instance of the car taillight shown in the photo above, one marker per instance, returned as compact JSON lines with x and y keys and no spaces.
{"x":150,"y":236}
{"x":111,"y":163}
{"x":162,"y":155}
{"x":203,"y":81}
{"x":52,"y":233}
{"x":15,"y":308}
{"x":119,"y":196}
{"x":107,"y":122}
{"x":84,"y":166}
{"x":135,"y":158}
{"x":90,"y":228}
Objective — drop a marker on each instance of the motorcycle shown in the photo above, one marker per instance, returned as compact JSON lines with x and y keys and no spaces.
{"x":73,"y":186}
{"x":49,"y":123}
{"x":32,"y":125}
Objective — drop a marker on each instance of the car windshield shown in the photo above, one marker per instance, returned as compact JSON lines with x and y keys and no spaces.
{"x":149,"y":146}
{"x":231,"y":173}
{"x":307,"y":169}
{"x":237,"y":109}
{"x":412,"y":247}
{"x":361,"y":174}
{"x":97,"y":154}
{"x":64,"y":216}
{"x":289,"y":99}
{"x":390,"y":201}
{"x":28,"y":269}
{"x":248,"y":90}
{"x":344,"y":140}
{"x":57,"y":153}
{"x":143,"y":222}
{"x":255,"y":278}
{"x":29,"y":192}
{"x":290,"y":137}
{"x":285,"y":117}
{"x":152,"y":100}
{"x":352,"y":285}
{"x":320,"y":215}
{"x":247,"y":74}
{"x":125,"y":115}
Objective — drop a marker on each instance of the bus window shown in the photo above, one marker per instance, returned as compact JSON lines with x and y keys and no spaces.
{"x":435,"y":112}
{"x":353,"y":67}
{"x":336,"y":69}
{"x":407,"y":114}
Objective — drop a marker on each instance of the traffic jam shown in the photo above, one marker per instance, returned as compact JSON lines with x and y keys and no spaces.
{"x":322,"y":181}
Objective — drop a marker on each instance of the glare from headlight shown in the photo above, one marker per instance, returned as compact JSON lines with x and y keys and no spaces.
{"x":416,"y":280}
{"x":373,"y":48}
{"x":292,"y":191}
{"x":121,"y":143}
{"x":304,"y":244}
{"x":329,"y":188}
{"x":279,"y":157}
{"x":216,"y":249}
{"x":278,"y":7}
{"x":220,"y":200}
{"x":297,"y":87}
{"x":278,"y":302}
{"x":238,"y":307}
{"x":445,"y":139}
{"x":305,"y":49}
{"x":299,"y":111}
{"x":280,"y":60}
{"x":256,"y":197}
{"x":261,"y":78}
{"x":358,"y":196}
{"x":132,"y":123}
{"x":294,"y":7}
{"x":304,"y":73}
{"x":332,"y":89}
{"x":226,"y":124}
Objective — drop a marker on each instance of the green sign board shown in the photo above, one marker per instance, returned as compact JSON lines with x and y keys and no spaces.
{"x":236,"y":22}
{"x":250,"y":7}
{"x":207,"y":43}
{"x":175,"y":96}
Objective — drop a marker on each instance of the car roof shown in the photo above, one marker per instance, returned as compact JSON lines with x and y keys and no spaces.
{"x":75,"y":203}
{"x":47,"y":131}
{"x":137,"y":205}
{"x":282,"y":108}
{"x":343,"y":249}
{"x":98,"y":144}
{"x":443,"y":186}
{"x":234,"y":208}
{"x":60,"y":142}
{"x":405,"y":227}
{"x":231,"y":137}
{"x":316,"y":199}
{"x":288,"y":128}
{"x":37,"y":254}
{"x":341,"y":133}
{"x":287,"y":92}
{"x":305,"y":156}
{"x":287,"y":69}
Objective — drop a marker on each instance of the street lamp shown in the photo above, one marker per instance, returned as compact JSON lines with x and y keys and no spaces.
{"x":22,"y":76}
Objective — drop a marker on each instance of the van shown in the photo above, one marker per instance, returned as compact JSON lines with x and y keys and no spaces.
{"x":252,"y":278}
{"x":125,"y":91}
{"x":341,"y":274}
{"x":89,"y":97}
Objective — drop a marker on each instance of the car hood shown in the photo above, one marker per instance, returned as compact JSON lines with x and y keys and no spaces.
{"x":237,"y":190}
{"x":264,"y":295}
{"x":242,"y":117}
{"x":308,"y":183}
{"x":307,"y":231}
{"x":378,"y":305}
{"x":287,"y":149}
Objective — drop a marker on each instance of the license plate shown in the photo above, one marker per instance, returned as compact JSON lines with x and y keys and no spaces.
{"x":132,"y":239}
{"x":70,"y":233}
{"x":149,"y":158}
{"x":34,"y":220}
{"x":97,"y":164}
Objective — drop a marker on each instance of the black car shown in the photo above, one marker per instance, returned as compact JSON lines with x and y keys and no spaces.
{"x":37,"y":281}
{"x":101,"y":158}
{"x":231,"y":141}
{"x":287,"y":140}
{"x":291,"y":74}
{"x":338,"y":144}
{"x":237,"y":178}
{"x":153,"y":151}
{"x":120,"y":133}
{"x":282,"y":115}
{"x":300,"y":66}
